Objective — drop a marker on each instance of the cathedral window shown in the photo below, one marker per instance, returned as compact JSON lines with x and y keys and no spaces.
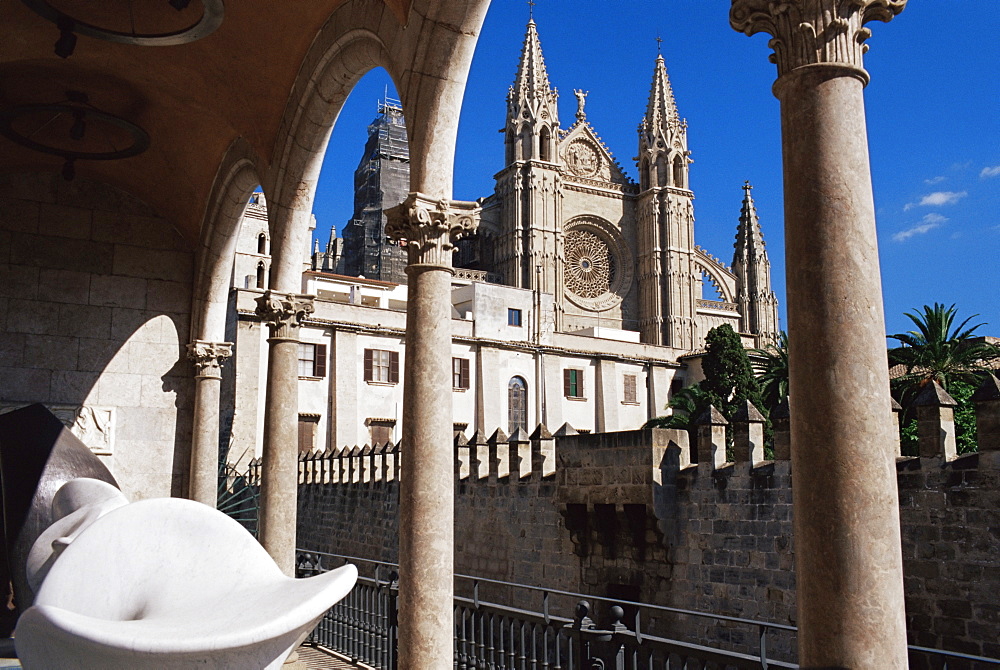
{"x":544,"y":142}
{"x":312,"y":360}
{"x":629,"y":386}
{"x":262,"y":244}
{"x":514,"y":317}
{"x":381,"y":367}
{"x":573,"y":383}
{"x":460,"y":373}
{"x":679,"y":172}
{"x":261,"y":272}
{"x":517,"y":404}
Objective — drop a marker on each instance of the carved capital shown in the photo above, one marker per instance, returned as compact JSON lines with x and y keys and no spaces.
{"x":284,"y":312}
{"x":208,"y":357}
{"x":429,"y":228}
{"x":808,"y":32}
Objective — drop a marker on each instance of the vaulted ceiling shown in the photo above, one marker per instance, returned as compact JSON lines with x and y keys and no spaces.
{"x":192,"y":99}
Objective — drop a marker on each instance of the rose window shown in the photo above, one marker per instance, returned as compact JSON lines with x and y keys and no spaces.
{"x":590,"y":268}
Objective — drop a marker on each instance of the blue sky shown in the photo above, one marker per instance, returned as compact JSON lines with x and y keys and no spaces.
{"x":933,"y":128}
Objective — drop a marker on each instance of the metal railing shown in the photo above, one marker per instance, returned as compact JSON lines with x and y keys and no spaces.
{"x":610,"y":633}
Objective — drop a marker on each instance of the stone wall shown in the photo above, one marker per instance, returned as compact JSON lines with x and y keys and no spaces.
{"x":625,"y":515}
{"x":95,"y":297}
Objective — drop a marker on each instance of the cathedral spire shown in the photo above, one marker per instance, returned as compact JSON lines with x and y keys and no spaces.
{"x":758,"y":305}
{"x":532,"y":111}
{"x":661,"y":111}
{"x":663,"y":153}
{"x":749,"y":238}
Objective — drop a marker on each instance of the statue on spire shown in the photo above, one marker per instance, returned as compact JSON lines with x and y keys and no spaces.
{"x":581,"y":100}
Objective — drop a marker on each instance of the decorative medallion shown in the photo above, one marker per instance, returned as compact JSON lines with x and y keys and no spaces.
{"x":598,"y":265}
{"x":582,"y":159}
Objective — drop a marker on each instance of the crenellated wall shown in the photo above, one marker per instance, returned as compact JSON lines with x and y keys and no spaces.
{"x":627,"y":515}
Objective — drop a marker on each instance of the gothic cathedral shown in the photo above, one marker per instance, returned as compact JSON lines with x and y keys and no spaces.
{"x":566,"y":220}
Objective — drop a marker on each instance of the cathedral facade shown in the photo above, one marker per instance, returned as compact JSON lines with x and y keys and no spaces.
{"x":566,"y":220}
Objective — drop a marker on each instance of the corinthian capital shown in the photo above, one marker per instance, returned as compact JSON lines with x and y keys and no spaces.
{"x":208,"y":357}
{"x":806,"y":32}
{"x":430,"y":227}
{"x":284,"y":312}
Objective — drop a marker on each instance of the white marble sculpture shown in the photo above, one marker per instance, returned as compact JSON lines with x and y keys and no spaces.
{"x":164,"y":583}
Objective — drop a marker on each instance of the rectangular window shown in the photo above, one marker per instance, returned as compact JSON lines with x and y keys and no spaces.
{"x":629,"y":385}
{"x":513,"y":317}
{"x":573,"y":383}
{"x":381,"y":430}
{"x":308,"y":425}
{"x":381,"y":366}
{"x":312,"y":360}
{"x":460,"y":373}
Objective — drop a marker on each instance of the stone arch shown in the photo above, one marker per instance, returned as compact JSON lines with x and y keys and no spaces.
{"x":662,"y":170}
{"x":235,"y":181}
{"x":718,"y":274}
{"x":330,"y":71}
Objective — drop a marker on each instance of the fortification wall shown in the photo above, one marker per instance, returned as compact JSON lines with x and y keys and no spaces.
{"x":627,"y":515}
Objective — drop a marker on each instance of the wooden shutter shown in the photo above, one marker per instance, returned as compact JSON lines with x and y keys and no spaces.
{"x":368,"y":364}
{"x":566,"y":383}
{"x":319,"y":361}
{"x":393,"y":367}
{"x":464,"y":373}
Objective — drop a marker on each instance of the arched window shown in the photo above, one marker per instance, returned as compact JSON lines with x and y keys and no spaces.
{"x":262,"y":243}
{"x":663,"y":170}
{"x":679,"y":172}
{"x":517,"y":404}
{"x":260,"y":274}
{"x":544,"y":142}
{"x":644,"y":174}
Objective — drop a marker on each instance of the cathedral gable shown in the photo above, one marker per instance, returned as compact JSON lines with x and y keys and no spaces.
{"x":587,"y":160}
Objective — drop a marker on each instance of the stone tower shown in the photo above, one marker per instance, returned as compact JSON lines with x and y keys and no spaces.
{"x":668,"y":283}
{"x":529,"y":188}
{"x":381,"y":181}
{"x":758,"y":305}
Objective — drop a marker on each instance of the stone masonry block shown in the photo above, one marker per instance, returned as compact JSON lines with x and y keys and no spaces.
{"x":115,"y":291}
{"x":32,"y":316}
{"x":65,"y":221}
{"x":19,"y":281}
{"x":85,"y":321}
{"x":64,"y":286}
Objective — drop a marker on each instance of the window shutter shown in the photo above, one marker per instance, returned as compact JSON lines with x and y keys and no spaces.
{"x":566,"y":383}
{"x":368,"y":364}
{"x":393,"y":367}
{"x":464,"y":373}
{"x":319,"y":362}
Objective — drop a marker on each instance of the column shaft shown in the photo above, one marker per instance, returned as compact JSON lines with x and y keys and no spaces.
{"x":205,"y":446}
{"x":427,"y":510}
{"x":208,"y":358}
{"x":280,"y":458}
{"x":847,"y":538}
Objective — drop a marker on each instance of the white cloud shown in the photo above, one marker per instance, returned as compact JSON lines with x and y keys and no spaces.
{"x":930,"y":222}
{"x":935,"y":180}
{"x":990,"y":172}
{"x":942,"y":198}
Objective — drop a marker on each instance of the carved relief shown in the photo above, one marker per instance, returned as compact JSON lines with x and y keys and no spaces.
{"x":806,"y":32}
{"x":95,"y":426}
{"x":284,"y":312}
{"x":582,"y":159}
{"x":208,"y":357}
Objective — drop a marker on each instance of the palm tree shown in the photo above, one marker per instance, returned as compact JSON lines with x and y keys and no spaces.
{"x":770,"y":365}
{"x":937,"y":350}
{"x":686,"y":405}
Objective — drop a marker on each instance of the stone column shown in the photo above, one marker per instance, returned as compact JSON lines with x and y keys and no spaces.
{"x":208,"y":358}
{"x":283,"y":313}
{"x":429,"y":229}
{"x":849,"y":573}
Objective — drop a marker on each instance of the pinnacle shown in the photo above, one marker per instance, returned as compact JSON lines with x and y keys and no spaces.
{"x":749,"y":238}
{"x":532,"y":77}
{"x":661,"y":111}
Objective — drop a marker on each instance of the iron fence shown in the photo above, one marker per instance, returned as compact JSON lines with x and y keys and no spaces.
{"x":602,"y":633}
